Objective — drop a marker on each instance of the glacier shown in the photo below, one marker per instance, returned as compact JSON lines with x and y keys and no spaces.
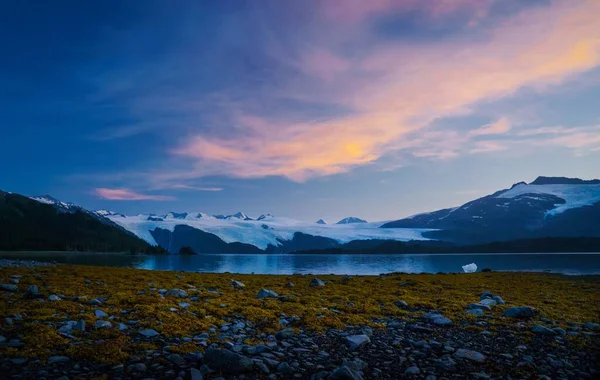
{"x":268,"y":230}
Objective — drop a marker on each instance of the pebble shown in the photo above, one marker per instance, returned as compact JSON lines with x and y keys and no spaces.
{"x":412,"y":371}
{"x":463,"y":353}
{"x":149,"y":333}
{"x":100,"y":314}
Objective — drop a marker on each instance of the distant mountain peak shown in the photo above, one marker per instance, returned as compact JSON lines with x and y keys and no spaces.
{"x":239,"y":215}
{"x":265,"y":216}
{"x":351,"y":219}
{"x":541,"y":180}
{"x":176,"y":215}
{"x":321,"y":221}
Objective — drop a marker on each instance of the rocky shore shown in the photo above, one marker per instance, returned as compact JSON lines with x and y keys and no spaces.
{"x":74,"y":322}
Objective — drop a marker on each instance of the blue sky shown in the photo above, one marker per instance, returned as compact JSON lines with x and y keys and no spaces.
{"x":306,"y":109}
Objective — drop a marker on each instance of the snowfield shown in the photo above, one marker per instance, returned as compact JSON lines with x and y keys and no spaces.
{"x":574,"y":195}
{"x":265,"y":231}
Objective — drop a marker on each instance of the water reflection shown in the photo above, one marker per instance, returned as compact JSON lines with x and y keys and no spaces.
{"x":337,"y":264}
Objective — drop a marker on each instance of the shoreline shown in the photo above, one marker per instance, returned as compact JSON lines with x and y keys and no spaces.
{"x":125,"y":322}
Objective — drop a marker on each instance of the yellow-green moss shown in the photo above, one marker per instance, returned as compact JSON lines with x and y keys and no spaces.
{"x":354,"y":301}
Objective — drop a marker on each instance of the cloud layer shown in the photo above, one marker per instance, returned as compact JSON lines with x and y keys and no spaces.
{"x":393,"y":89}
{"x":340,"y":92}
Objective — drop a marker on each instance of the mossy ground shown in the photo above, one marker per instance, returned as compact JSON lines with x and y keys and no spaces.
{"x":358,"y":300}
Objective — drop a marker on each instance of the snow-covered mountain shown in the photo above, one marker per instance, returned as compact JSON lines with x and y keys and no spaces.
{"x":351,"y":219}
{"x":59,"y":205}
{"x":548,"y":206}
{"x":321,"y":221}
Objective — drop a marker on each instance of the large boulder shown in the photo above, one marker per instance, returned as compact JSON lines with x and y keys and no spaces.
{"x":520,"y":312}
{"x":226,"y":361}
{"x":317,"y":282}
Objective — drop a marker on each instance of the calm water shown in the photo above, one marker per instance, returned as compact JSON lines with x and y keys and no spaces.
{"x":568,"y":263}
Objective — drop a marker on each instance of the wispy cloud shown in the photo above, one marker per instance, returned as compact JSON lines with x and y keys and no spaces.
{"x":501,"y":126}
{"x":387,"y":91}
{"x":128,"y":195}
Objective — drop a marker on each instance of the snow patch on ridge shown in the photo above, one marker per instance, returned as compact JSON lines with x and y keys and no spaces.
{"x":574,"y":195}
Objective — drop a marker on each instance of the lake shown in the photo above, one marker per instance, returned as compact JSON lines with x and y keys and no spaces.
{"x":372,"y":264}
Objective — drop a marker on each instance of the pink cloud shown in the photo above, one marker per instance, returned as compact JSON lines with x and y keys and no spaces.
{"x":128,"y":195}
{"x":395,"y":90}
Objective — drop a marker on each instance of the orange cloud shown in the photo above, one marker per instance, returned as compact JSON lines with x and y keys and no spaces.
{"x":128,"y":195}
{"x":395,"y":90}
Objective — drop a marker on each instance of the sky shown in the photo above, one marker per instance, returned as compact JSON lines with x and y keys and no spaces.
{"x":301,"y":108}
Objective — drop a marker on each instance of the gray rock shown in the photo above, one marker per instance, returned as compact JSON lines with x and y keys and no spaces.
{"x":54,"y":297}
{"x":431,"y":316}
{"x":443,"y":321}
{"x":196,"y":374}
{"x":9,"y":287}
{"x":102,"y":325}
{"x":559,"y":331}
{"x":316,"y":282}
{"x":100,"y":314}
{"x":401,"y":304}
{"x":122,"y":326}
{"x":355,"y":365}
{"x":542,"y":330}
{"x":58,"y":359}
{"x":445,"y":363}
{"x":520,"y":312}
{"x":345,"y":373}
{"x":176,"y":359}
{"x":355,"y":341}
{"x":225,"y":361}
{"x":178,"y":293}
{"x":137,"y":367}
{"x":485,"y":295}
{"x":479,"y":306}
{"x":412,"y":371}
{"x":285,"y":333}
{"x":95,"y":302}
{"x":285,"y":369}
{"x":79,"y":326}
{"x":237,"y":284}
{"x":470,"y":355}
{"x":149,"y":333}
{"x":499,"y":300}
{"x":289,"y":285}
{"x":266,"y":293}
{"x":476,"y":312}
{"x":488,"y":301}
{"x":590,"y":325}
{"x":33,"y":289}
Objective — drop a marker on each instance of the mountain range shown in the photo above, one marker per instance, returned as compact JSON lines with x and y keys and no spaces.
{"x":548,"y":207}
